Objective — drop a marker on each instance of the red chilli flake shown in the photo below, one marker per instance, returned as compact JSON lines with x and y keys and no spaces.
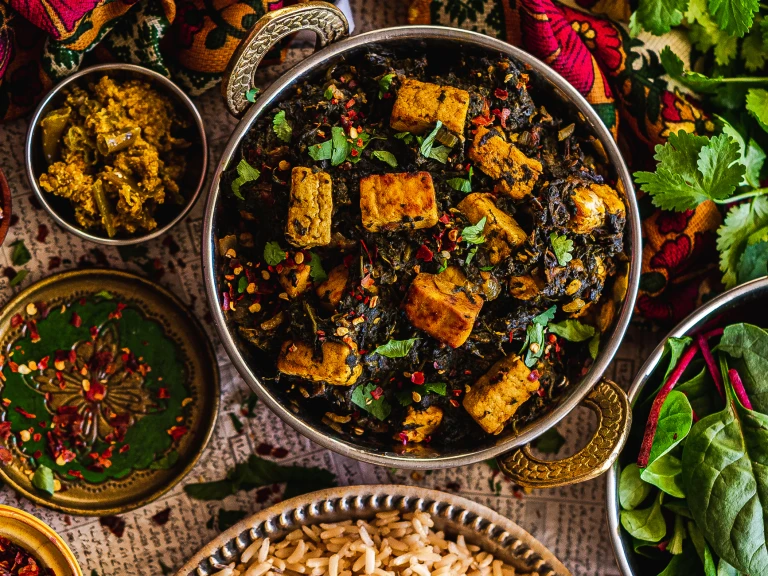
{"x":16,"y":321}
{"x":163,"y":393}
{"x":24,"y":413}
{"x":176,"y":432}
{"x":5,"y":430}
{"x":124,"y":448}
{"x":653,"y":417}
{"x":161,"y":518}
{"x":94,"y":331}
{"x":738,"y":387}
{"x":377,"y":393}
{"x":75,"y":474}
{"x":533,"y":376}
{"x":417,"y":378}
{"x":504,"y":115}
{"x":350,"y":103}
{"x":501,"y":94}
{"x":424,"y":253}
{"x":76,"y":320}
{"x":34,"y":335}
{"x":6,"y":457}
{"x":114,"y":524}
{"x":118,"y":313}
{"x":445,"y":219}
{"x":42,"y":364}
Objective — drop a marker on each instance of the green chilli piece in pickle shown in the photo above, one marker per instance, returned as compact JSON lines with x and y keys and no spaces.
{"x":117,"y":141}
{"x":102,"y":204}
{"x":54,"y":125}
{"x":118,"y":179}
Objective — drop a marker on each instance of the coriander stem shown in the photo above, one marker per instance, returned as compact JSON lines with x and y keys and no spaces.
{"x":745,"y":80}
{"x":751,"y":194}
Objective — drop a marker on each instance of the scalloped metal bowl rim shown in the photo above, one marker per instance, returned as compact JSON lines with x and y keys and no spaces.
{"x":153,"y":77}
{"x":486,"y":523}
{"x":632,"y":239}
{"x":692,"y":321}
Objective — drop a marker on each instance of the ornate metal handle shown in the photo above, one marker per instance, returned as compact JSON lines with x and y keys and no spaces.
{"x":614,"y":417}
{"x":325,"y":19}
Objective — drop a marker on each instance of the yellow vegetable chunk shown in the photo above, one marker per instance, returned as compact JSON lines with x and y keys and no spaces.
{"x":339,"y":363}
{"x":501,"y":231}
{"x":420,"y":424}
{"x":391,"y":201}
{"x":419,"y":105}
{"x":294,"y":279}
{"x":515,"y":172}
{"x":331,"y":291}
{"x":309,"y":209}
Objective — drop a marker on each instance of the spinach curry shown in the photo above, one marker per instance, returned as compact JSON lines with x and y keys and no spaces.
{"x":418,"y":252}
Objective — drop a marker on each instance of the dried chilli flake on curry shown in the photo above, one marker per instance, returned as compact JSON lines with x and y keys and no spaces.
{"x":424,"y":252}
{"x":16,"y":561}
{"x":112,"y":152}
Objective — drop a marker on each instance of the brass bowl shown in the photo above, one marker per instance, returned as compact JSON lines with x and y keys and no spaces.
{"x":455,"y":515}
{"x":167,"y":215}
{"x":39,"y":539}
{"x":604,"y":397}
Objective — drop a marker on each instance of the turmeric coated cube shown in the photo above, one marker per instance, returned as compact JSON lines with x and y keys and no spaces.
{"x":515,"y":172}
{"x":441,"y":309}
{"x":391,"y":201}
{"x":591,"y":205}
{"x":418,"y":425}
{"x":331,"y":291}
{"x":498,"y":394}
{"x":310,"y":208}
{"x":419,"y":105}
{"x":338,"y":363}
{"x":294,"y":279}
{"x":501,"y":231}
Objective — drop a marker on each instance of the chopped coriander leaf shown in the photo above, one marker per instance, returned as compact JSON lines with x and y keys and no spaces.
{"x":321,"y":151}
{"x":676,"y":69}
{"x":245,"y":173}
{"x":406,"y":137}
{"x":316,"y":270}
{"x":429,"y":150}
{"x":659,"y":16}
{"x":752,"y":155}
{"x":251,"y":94}
{"x":757,"y":105}
{"x":328,"y":94}
{"x":470,"y":255}
{"x":396,"y":348}
{"x":43,"y":479}
{"x":20,"y":255}
{"x":562,"y":247}
{"x":379,"y":408}
{"x":733,"y":16}
{"x":544,"y":318}
{"x":242,"y":284}
{"x":474,"y":234}
{"x":692,"y":169}
{"x":385,"y":82}
{"x":273,"y":254}
{"x":341,"y":146}
{"x":440,"y":153}
{"x":572,"y":330}
{"x":282,"y":127}
{"x":386,"y":157}
{"x":462,"y":184}
{"x":439,"y":388}
{"x":443,"y":267}
{"x":733,"y":237}
{"x":534,"y":338}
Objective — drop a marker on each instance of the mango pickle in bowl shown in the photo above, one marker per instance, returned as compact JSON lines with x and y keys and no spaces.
{"x":116,"y":154}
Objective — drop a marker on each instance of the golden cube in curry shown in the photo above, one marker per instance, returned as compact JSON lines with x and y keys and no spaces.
{"x":391,"y":201}
{"x":502,"y":233}
{"x":294,"y":279}
{"x":310,"y":208}
{"x":419,"y":105}
{"x":332,"y":289}
{"x":591,"y":205}
{"x":515,"y":172}
{"x":419,"y":424}
{"x":441,"y":309}
{"x":337,"y":365}
{"x":498,"y":394}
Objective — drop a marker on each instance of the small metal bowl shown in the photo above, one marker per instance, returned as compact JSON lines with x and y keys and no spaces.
{"x":166,"y":215}
{"x":744,"y":303}
{"x":39,"y":539}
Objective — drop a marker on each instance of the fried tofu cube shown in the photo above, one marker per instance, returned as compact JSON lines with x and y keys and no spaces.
{"x":390,"y":201}
{"x":611,"y":201}
{"x":441,"y":309}
{"x":420,"y":424}
{"x":497,"y":395}
{"x":309,"y":208}
{"x":515,"y":172}
{"x":502,"y":233}
{"x":331,"y":291}
{"x":339,"y":364}
{"x":419,"y":105}
{"x":294,"y":279}
{"x":589,"y":211}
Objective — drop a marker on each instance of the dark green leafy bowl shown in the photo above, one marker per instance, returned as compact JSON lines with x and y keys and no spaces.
{"x":712,"y":513}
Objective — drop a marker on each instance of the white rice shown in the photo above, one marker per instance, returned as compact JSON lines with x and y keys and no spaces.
{"x":388,"y":545}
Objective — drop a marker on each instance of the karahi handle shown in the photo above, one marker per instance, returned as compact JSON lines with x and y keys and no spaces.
{"x":614,"y":418}
{"x":323,"y":18}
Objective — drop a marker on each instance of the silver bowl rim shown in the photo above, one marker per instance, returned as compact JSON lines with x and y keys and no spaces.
{"x":490,"y":528}
{"x":152,"y":76}
{"x":690,"y":322}
{"x":633,"y":236}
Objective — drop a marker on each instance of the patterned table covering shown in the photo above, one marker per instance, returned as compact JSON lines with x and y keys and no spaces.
{"x":570,"y":521}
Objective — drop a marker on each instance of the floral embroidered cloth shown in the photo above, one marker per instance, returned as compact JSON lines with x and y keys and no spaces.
{"x":42,"y":41}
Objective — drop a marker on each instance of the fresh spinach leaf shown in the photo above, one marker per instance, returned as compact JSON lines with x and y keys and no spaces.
{"x":341,"y":146}
{"x":675,"y":544}
{"x":679,"y":507}
{"x":386,"y":157}
{"x":396,"y":348}
{"x":675,"y":348}
{"x":675,"y":420}
{"x":646,"y":524}
{"x":666,"y":473}
{"x":572,"y":330}
{"x":702,"y":549}
{"x":632,"y":489}
{"x":702,"y":394}
{"x":750,"y":343}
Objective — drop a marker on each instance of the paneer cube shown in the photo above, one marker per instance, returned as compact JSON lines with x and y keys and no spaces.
{"x":420,"y":424}
{"x":589,"y":211}
{"x":294,"y":279}
{"x":309,"y":209}
{"x":441,"y":309}
{"x":339,"y":364}
{"x":502,"y":233}
{"x":525,"y":287}
{"x":497,"y":395}
{"x":391,"y":201}
{"x":611,"y":201}
{"x":515,"y":172}
{"x":419,"y":105}
{"x":331,"y":291}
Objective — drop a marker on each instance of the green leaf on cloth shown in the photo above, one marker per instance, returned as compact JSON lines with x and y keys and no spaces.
{"x":20,"y":254}
{"x":658,"y":16}
{"x":743,"y":222}
{"x":757,"y":105}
